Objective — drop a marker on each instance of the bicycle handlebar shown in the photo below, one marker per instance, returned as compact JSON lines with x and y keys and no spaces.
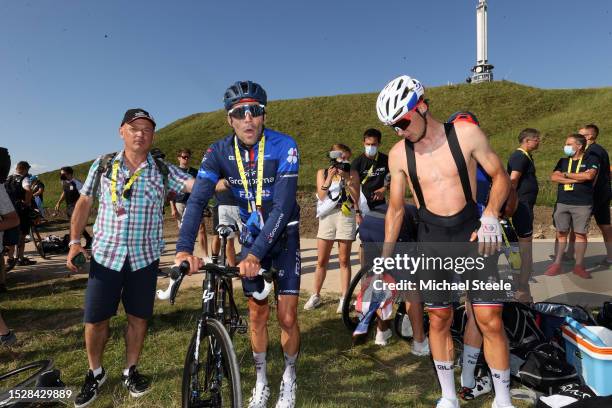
{"x":177,"y":273}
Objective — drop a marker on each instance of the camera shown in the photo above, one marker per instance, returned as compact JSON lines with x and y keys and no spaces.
{"x":334,"y":156}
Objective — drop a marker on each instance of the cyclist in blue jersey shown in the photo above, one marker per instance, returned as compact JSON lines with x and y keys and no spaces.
{"x":261,"y":167}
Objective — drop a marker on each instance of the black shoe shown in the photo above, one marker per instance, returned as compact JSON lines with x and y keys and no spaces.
{"x":25,"y":262}
{"x":89,"y":390}
{"x":136,"y":383}
{"x":10,"y":264}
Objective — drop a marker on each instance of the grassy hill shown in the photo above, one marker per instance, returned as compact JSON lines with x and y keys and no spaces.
{"x":503,"y":108}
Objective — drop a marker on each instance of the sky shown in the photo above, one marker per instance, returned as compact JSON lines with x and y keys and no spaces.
{"x":70,"y":69}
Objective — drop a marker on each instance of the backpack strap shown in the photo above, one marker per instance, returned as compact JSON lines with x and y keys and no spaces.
{"x":453,"y":144}
{"x":164,"y":170}
{"x":103,"y":167}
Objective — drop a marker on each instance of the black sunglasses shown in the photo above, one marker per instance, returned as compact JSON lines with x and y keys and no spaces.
{"x":401,"y":124}
{"x":185,"y":157}
{"x":239,"y":112}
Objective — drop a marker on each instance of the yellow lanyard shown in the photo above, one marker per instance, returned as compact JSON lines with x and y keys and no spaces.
{"x":127,"y":185}
{"x":525,"y":153}
{"x":371,"y":171}
{"x":570,"y":187}
{"x":260,"y":168}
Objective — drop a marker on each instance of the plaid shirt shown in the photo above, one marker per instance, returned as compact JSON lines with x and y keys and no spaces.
{"x":140,"y":235}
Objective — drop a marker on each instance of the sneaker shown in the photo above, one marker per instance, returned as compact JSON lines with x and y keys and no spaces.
{"x":406,"y":327}
{"x":136,"y":383}
{"x":382,"y":337}
{"x":286,"y":396}
{"x":8,"y":339}
{"x":446,"y":403}
{"x":25,"y":262}
{"x":481,"y":387}
{"x":605,"y":263}
{"x":313,"y":302}
{"x":494,"y":405}
{"x":420,"y":349}
{"x":260,"y":395}
{"x":89,"y":390}
{"x":340,"y":305}
{"x":580,"y":271}
{"x":553,"y":269}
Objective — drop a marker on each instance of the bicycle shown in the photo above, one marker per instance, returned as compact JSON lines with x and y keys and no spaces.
{"x":35,"y":218}
{"x":211,"y":376}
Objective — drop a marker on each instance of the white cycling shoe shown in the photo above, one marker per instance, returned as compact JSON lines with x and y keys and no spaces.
{"x":420,"y":349}
{"x":313,"y":302}
{"x":286,"y":396}
{"x":446,"y":403}
{"x":260,"y":395}
{"x":382,"y":337}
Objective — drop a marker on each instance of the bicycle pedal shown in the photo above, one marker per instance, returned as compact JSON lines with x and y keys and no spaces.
{"x":242,"y":327}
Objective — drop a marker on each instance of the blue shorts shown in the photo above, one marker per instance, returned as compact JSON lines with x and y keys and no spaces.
{"x":106,"y":287}
{"x":285,"y":257}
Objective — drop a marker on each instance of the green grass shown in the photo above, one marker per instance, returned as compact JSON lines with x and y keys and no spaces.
{"x":503,"y":108}
{"x":331,"y":373}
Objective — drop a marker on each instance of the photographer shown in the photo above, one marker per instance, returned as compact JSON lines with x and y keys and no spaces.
{"x":338,"y":206}
{"x":372,"y":166}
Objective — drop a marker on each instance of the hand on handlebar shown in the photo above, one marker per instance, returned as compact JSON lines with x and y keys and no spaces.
{"x":250,"y":266}
{"x":195,"y":263}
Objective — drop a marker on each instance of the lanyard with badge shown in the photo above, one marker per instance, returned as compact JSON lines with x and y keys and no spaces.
{"x":255,"y":222}
{"x":570,"y":187}
{"x":371,"y":171}
{"x":126,"y":193}
{"x":526,"y":153}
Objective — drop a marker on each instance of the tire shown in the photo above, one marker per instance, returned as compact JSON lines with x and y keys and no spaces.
{"x":36,"y":238}
{"x":35,"y":368}
{"x":215,"y":343}
{"x":350,"y":318}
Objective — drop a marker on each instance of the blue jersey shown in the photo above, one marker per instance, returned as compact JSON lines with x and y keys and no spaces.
{"x":279,"y":187}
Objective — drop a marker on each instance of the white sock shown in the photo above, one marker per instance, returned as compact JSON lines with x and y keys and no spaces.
{"x":97,"y":371}
{"x":501,"y":384}
{"x":289,"y":374}
{"x":468,"y":365}
{"x":260,"y":367}
{"x":447,"y":381}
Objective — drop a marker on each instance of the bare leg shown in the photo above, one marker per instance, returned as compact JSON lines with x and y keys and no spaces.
{"x":96,"y":336}
{"x":324,"y":248}
{"x":259,"y":311}
{"x":344,"y":257}
{"x":287,"y":320}
{"x":134,"y":339}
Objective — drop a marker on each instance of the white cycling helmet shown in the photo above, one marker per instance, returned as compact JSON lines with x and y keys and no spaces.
{"x":399,"y":97}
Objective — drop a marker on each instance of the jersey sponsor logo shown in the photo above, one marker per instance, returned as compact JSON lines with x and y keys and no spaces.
{"x":251,"y":182}
{"x":292,"y":155}
{"x":265,"y":193}
{"x":275,"y":229}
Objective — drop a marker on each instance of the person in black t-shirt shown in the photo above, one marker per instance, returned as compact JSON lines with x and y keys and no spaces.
{"x":71,"y":188}
{"x":372,"y":167}
{"x":522,"y":171}
{"x":177,"y":205}
{"x":575,"y":175}
{"x":602,"y":192}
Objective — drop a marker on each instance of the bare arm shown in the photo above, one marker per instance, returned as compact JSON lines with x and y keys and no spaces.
{"x":397,"y":189}
{"x":515,"y":176}
{"x":558,"y":177}
{"x":490,"y":162}
{"x":324,"y":182}
{"x":354,"y":188}
{"x":188,"y":185}
{"x":584,"y":176}
{"x":61,"y":198}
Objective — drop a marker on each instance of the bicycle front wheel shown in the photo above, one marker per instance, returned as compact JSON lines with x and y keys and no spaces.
{"x":212,"y":377}
{"x":36,"y":238}
{"x":350,"y":316}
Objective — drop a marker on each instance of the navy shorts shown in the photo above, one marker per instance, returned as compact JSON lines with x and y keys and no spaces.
{"x":105,"y":287}
{"x":285,"y":257}
{"x":522,"y":219}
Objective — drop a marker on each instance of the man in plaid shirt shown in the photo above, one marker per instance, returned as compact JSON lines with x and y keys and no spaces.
{"x":128,"y":240}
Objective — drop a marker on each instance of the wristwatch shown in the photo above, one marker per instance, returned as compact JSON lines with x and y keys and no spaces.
{"x":358,"y":211}
{"x":74,"y":242}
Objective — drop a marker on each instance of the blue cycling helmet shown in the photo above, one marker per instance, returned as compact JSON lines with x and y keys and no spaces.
{"x":244,"y":90}
{"x":463,"y":116}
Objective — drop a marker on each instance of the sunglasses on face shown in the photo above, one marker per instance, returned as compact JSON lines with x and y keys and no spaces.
{"x":404,"y":121}
{"x":185,"y":157}
{"x":239,"y":112}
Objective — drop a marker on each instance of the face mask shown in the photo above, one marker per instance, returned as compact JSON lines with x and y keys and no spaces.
{"x":63,"y":177}
{"x":568,"y":150}
{"x":371,"y":150}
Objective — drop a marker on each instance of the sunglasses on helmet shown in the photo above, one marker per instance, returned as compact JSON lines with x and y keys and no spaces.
{"x":239,"y":112}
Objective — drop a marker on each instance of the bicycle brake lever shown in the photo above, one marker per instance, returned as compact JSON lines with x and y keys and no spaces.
{"x":268,"y":286}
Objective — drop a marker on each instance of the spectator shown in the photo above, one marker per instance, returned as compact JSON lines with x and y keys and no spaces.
{"x":126,"y":249}
{"x":338,"y":185}
{"x":177,"y":205}
{"x":226,"y":212}
{"x":575,"y":175}
{"x":372,"y":167}
{"x":38,"y":189}
{"x":70,"y":193}
{"x":522,"y":171}
{"x":8,"y":219}
{"x":18,"y":188}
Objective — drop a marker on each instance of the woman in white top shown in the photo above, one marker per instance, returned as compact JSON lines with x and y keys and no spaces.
{"x":337,"y":207}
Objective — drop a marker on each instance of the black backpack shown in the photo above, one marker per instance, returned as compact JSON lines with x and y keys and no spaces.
{"x":546,"y":369}
{"x":520,"y":325}
{"x":14,"y":188}
{"x":5,"y":164}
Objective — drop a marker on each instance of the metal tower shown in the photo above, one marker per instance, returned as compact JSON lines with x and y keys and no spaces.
{"x":482,"y":71}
